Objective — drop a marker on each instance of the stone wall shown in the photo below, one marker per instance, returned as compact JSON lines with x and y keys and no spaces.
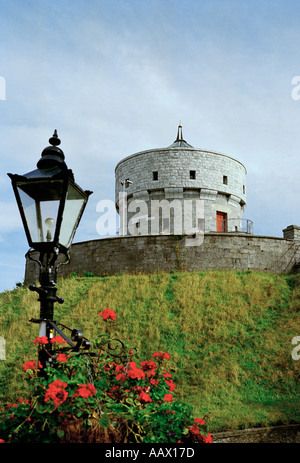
{"x":289,"y":434}
{"x":218,"y":179}
{"x":148,"y":254}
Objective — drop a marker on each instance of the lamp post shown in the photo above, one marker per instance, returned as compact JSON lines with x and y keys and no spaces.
{"x":51,"y":205}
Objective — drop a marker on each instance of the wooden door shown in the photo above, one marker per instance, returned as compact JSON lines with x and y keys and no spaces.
{"x":221,"y":222}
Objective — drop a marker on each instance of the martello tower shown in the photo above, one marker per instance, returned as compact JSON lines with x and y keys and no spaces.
{"x":168,"y":177}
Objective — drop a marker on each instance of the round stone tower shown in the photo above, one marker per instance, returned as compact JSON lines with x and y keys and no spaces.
{"x":180,"y":189}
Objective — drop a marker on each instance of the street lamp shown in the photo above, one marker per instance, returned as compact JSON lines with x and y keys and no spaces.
{"x":51,"y":205}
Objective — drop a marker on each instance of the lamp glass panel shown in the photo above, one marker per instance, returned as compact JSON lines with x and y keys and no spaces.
{"x":74,"y":205}
{"x":40,"y":202}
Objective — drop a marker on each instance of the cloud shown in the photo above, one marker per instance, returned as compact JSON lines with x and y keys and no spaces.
{"x":115,"y":78}
{"x":9,"y":218}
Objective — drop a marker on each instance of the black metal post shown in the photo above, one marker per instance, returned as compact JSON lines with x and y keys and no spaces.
{"x":47,"y":298}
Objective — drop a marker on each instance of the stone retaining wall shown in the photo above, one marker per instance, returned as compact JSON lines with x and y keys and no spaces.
{"x":275,"y":435}
{"x":148,"y":254}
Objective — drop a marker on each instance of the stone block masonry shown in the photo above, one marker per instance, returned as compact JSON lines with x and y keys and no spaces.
{"x":185,"y":173}
{"x":154,"y":253}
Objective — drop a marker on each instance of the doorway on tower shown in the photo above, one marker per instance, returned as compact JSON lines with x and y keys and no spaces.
{"x":221,"y":222}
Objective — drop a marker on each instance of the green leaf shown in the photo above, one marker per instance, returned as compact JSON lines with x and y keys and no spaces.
{"x":60,"y":433}
{"x":104,"y":420}
{"x":42,"y":408}
{"x":88,"y":423}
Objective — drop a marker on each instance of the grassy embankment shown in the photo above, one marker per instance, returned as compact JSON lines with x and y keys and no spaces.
{"x":228,"y":333}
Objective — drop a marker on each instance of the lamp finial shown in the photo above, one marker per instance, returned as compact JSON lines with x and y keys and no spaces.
{"x":54,"y":140}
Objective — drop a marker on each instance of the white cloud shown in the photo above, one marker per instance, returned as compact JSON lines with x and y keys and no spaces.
{"x":116,"y":77}
{"x":10,"y":220}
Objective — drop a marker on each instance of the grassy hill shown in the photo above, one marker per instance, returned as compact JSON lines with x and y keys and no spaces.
{"x":228,"y":333}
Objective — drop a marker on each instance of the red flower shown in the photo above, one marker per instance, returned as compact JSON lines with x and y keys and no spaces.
{"x":56,"y":392}
{"x":2,"y":441}
{"x":154,"y":382}
{"x":58,"y":383}
{"x":134,"y":372}
{"x":58,"y":339}
{"x":171,"y":384}
{"x":208,"y":439}
{"x":195,"y":430}
{"x":118,"y":368}
{"x":168,"y":398}
{"x":8,"y":406}
{"x":121,"y":377}
{"x":107,"y":314}
{"x":149,"y":367}
{"x":29,"y":365}
{"x":115,"y":388}
{"x":145,"y":397}
{"x":161,"y":355}
{"x":62,"y":357}
{"x":85,"y":390}
{"x":41,"y":340}
{"x":199,"y":421}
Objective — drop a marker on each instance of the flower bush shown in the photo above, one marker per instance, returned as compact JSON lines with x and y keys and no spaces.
{"x":105,"y":397}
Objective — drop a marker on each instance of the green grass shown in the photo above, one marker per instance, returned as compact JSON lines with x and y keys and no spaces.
{"x":228,"y":333}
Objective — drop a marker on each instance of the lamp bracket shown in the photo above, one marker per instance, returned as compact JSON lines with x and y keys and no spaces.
{"x":47,"y":262}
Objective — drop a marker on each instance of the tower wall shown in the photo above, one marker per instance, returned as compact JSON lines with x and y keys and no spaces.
{"x":185,"y":173}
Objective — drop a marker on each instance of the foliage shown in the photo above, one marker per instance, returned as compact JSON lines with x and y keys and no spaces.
{"x":101,"y":397}
{"x":229,"y":334}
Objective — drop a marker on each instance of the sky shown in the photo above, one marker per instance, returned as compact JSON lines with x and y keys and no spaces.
{"x":115,"y":77}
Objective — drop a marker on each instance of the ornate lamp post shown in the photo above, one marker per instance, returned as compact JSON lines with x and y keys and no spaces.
{"x":51,"y":205}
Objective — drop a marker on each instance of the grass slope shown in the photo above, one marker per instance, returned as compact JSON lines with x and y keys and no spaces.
{"x":228,"y":333}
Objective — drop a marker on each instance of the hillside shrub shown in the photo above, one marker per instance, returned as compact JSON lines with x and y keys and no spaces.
{"x":104,"y":396}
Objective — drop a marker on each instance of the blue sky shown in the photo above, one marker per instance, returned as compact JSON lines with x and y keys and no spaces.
{"x":115,"y":77}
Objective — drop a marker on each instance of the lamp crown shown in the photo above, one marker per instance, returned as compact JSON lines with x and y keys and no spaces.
{"x":52,"y":155}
